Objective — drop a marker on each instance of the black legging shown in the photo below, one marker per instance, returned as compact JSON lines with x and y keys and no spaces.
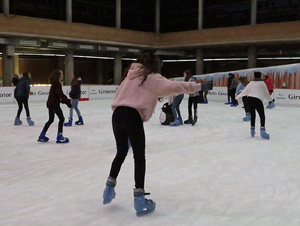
{"x":192,"y":100}
{"x":22,"y":101}
{"x":256,"y":104}
{"x":61,"y":117}
{"x":127,"y":124}
{"x":246,"y":104}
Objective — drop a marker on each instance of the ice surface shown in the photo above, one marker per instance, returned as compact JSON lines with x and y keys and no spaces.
{"x":210,"y":174}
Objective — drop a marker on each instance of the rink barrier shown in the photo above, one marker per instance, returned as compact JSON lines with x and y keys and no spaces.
{"x":100,"y":92}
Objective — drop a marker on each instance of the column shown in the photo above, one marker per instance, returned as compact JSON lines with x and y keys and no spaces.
{"x":200,"y":62}
{"x":252,"y":57}
{"x":16,"y":64}
{"x":200,"y":14}
{"x":99,"y":69}
{"x":69,"y":11}
{"x":69,"y":66}
{"x":118,"y":69}
{"x":8,"y":64}
{"x":253,"y":11}
{"x":118,"y":13}
{"x":6,"y":7}
{"x":157,"y":16}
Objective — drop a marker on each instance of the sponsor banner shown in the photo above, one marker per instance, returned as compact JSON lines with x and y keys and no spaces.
{"x":7,"y":94}
{"x":102,"y":92}
{"x":39,"y":93}
{"x":217,"y":94}
{"x":84,"y":92}
{"x":287,"y":97}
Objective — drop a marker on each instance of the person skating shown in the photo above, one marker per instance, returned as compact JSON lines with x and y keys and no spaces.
{"x":56,"y":96}
{"x":269,"y":85}
{"x":21,"y":94}
{"x":133,"y":104}
{"x":257,"y":91}
{"x":241,"y":86}
{"x":75,"y":94}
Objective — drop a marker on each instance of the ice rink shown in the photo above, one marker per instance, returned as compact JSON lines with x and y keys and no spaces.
{"x":210,"y":174}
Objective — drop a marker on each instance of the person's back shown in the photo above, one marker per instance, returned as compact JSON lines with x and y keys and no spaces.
{"x":22,"y":89}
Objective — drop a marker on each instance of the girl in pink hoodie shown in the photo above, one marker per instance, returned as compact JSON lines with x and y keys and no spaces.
{"x":133,"y":104}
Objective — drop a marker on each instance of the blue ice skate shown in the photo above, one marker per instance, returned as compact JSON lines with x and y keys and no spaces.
{"x":109,"y":194}
{"x":234,"y":105}
{"x":205,"y":102}
{"x":252,"y":132}
{"x":42,"y":137}
{"x":69,"y":123}
{"x":17,"y":121}
{"x":141,"y":204}
{"x":271,"y":105}
{"x":80,"y":121}
{"x":61,"y":139}
{"x":176,"y":122}
{"x":247,"y":118}
{"x":228,"y":103}
{"x":264,"y":134}
{"x":30,"y":122}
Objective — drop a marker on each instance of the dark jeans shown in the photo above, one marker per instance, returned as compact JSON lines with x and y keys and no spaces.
{"x":246,"y":104}
{"x":205,"y":94}
{"x":59,"y":114}
{"x":22,"y":101}
{"x":192,"y":101}
{"x":231,"y":93}
{"x":256,"y":104}
{"x":127,"y":123}
{"x":175,"y":105}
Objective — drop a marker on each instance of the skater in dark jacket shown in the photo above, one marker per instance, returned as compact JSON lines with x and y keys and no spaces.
{"x":21,"y":94}
{"x":75,"y":94}
{"x":56,"y":96}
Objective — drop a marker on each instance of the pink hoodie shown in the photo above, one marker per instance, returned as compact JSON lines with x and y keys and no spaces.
{"x":144,"y":97}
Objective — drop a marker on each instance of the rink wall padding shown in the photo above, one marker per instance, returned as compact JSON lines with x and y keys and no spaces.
{"x":99,"y":92}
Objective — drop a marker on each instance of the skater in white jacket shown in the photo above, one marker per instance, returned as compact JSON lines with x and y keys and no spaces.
{"x":257,"y":91}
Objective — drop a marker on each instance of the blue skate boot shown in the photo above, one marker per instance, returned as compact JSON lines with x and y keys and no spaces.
{"x":109,"y":192}
{"x":205,"y":102}
{"x":252,"y":131}
{"x":80,"y":121}
{"x":247,"y":118}
{"x":180,"y":120}
{"x":69,"y":123}
{"x":271,"y":105}
{"x":30,"y":122}
{"x":17,"y":121}
{"x":175,"y":123}
{"x":264,"y":134}
{"x":141,"y":204}
{"x":61,"y":139}
{"x":42,"y":137}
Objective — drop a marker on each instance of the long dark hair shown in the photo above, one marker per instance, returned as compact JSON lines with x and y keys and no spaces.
{"x":188,"y":75}
{"x":26,"y":75}
{"x":74,"y":80}
{"x":150,"y":62}
{"x":55,"y":75}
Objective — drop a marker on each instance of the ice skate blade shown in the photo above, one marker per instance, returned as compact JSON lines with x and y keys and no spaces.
{"x":147,"y":212}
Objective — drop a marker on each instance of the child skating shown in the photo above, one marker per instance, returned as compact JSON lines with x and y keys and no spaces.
{"x":257,"y":91}
{"x":56,"y":96}
{"x":133,"y":104}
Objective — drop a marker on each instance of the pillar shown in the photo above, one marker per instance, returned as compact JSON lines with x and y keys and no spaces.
{"x":69,"y":66}
{"x":16,"y":65}
{"x":69,"y":11}
{"x":6,"y":7}
{"x":157,"y":16}
{"x":200,"y":14}
{"x":253,"y":11}
{"x":8,"y":64}
{"x":118,"y":13}
{"x":200,"y":62}
{"x":252,"y":57}
{"x":118,"y":69}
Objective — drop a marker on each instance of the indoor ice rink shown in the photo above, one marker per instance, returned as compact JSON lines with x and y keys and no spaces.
{"x":213,"y":173}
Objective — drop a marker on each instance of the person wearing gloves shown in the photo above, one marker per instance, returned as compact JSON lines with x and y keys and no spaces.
{"x":56,"y":96}
{"x":134,"y":104}
{"x":257,"y":91}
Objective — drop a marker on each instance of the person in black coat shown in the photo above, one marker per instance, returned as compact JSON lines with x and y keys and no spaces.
{"x":21,"y":94}
{"x":75,"y":94}
{"x":56,"y":96}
